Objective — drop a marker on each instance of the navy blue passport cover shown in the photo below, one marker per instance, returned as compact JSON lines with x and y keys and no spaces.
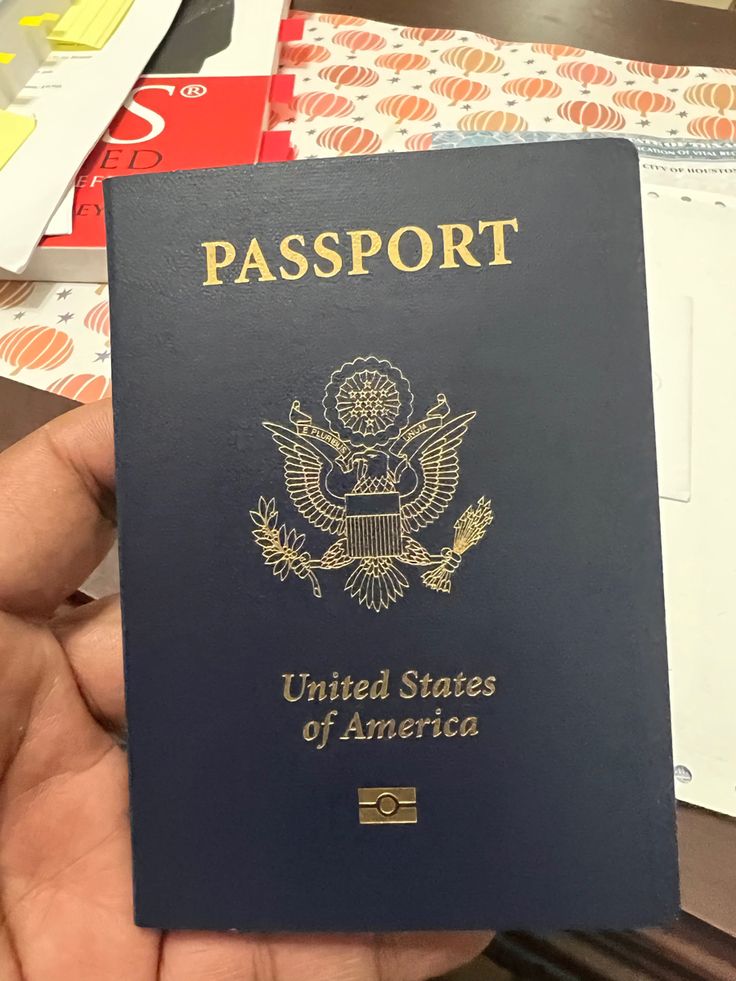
{"x":390,"y":552}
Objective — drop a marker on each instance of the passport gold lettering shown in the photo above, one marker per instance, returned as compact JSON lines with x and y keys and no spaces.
{"x":394,"y":248}
{"x":291,"y":255}
{"x":408,"y":249}
{"x":450,"y":246}
{"x":410,"y":684}
{"x":361,"y":251}
{"x":324,"y":252}
{"x":255,"y":260}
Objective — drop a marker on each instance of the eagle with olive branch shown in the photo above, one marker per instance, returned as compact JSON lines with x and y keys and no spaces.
{"x":372,"y":480}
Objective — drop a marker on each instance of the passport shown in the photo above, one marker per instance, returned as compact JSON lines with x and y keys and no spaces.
{"x":390,"y":551}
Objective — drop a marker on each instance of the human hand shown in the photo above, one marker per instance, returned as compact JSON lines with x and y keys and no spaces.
{"x":65,"y":864}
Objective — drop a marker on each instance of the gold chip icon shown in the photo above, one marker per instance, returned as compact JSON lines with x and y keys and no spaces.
{"x":387,"y":805}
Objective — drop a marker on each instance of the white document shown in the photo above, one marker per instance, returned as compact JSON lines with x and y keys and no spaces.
{"x":73,"y":96}
{"x":62,"y":219}
{"x":691,"y":244}
{"x":671,"y":340}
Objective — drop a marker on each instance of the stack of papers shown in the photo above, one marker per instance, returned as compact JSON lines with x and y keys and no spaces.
{"x":70,"y":70}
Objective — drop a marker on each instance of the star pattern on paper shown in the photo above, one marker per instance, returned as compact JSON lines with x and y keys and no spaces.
{"x":542,"y":71}
{"x":395,"y":79}
{"x":702,"y":75}
{"x":361,"y":97}
{"x":683,"y":114}
{"x":102,"y":356}
{"x":63,"y":294}
{"x":356,"y":119}
{"x":643,"y":123}
{"x":64,"y":318}
{"x":548,"y":119}
{"x":19,"y":314}
{"x":672,"y":132}
{"x":512,"y":102}
{"x":311,"y":132}
{"x":529,"y":61}
{"x":467,"y":106}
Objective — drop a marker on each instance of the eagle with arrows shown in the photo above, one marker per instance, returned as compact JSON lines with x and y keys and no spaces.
{"x":372,"y":481}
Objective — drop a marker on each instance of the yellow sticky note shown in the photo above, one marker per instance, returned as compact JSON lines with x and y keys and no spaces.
{"x":6,"y":57}
{"x":90,"y":23}
{"x":14,"y":131}
{"x":38,"y":20}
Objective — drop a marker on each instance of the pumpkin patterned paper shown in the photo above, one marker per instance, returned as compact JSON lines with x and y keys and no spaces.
{"x":587,"y":73}
{"x":13,"y":293}
{"x":82,"y":388}
{"x":35,"y":347}
{"x":407,"y":82}
{"x":54,"y":331}
{"x":98,"y":319}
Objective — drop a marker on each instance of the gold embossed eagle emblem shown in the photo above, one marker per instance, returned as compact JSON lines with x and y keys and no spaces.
{"x":372,"y":479}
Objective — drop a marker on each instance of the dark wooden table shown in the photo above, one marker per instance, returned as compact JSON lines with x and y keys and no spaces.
{"x":646,"y":30}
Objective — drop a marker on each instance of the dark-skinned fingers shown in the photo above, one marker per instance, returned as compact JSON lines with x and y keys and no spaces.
{"x":91,"y":637}
{"x":57,"y":513}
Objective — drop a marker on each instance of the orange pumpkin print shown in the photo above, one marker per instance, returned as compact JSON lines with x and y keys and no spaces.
{"x":98,"y":319}
{"x":303,"y":54}
{"x":648,"y":69}
{"x":713,"y":128}
{"x":556,"y":51}
{"x":427,"y":35}
{"x":714,"y":95}
{"x":344,"y":20}
{"x":403,"y":107}
{"x":591,"y":115}
{"x":359,"y":40}
{"x":586,"y":73}
{"x":35,"y":347}
{"x":353,"y":75}
{"x":346,"y":140}
{"x":82,"y":388}
{"x":506,"y":122}
{"x":472,"y":60}
{"x":314,"y":104}
{"x":460,"y":89}
{"x":14,"y":292}
{"x":419,"y":141}
{"x":532,"y":88}
{"x":402,"y":61}
{"x":643,"y":102}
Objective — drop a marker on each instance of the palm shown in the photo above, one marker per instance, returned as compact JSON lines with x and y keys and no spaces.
{"x":65,"y":864}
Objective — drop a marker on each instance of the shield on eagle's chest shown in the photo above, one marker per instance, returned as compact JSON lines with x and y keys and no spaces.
{"x":373,"y":523}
